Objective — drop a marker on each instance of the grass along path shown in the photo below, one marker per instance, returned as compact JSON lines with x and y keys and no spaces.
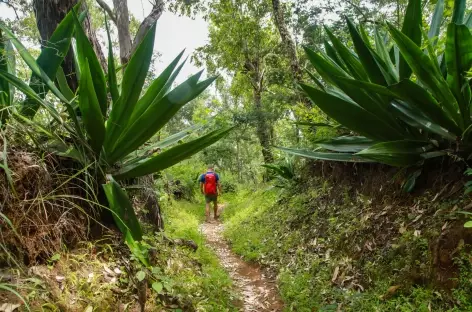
{"x":258,"y":292}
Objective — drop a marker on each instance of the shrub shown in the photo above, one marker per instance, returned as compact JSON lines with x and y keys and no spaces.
{"x":228,"y":186}
{"x":406,"y":104}
{"x":102,"y":135}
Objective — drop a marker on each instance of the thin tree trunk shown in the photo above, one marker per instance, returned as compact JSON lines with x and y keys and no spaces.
{"x":122,"y":23}
{"x":262,"y":128}
{"x":92,"y":36}
{"x":287,"y":41}
{"x":238,"y":162}
{"x":147,"y":23}
{"x":120,"y":16}
{"x":289,"y":46}
{"x":49,"y":13}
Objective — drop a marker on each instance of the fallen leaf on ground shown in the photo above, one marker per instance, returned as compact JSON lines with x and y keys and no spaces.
{"x":444,"y":226}
{"x":417,"y":218}
{"x":335,"y":274}
{"x":402,"y":229}
{"x":108,"y":271}
{"x":390,"y":292}
{"x":9,"y":307}
{"x":90,"y":277}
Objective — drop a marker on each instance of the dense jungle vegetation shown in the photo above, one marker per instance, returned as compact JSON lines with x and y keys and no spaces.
{"x":341,"y":132}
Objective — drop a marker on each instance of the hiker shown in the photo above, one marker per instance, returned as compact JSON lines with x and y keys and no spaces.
{"x":210,"y":187}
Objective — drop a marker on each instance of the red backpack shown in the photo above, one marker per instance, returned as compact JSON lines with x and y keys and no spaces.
{"x":210,"y":183}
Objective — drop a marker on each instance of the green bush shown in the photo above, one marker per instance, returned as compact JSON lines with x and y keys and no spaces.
{"x":406,"y":102}
{"x":107,"y":123}
{"x":304,"y":234}
{"x":228,"y":186}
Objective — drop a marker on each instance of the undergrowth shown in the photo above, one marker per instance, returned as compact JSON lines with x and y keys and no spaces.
{"x":103,"y":275}
{"x":336,"y":250}
{"x":212,"y":287}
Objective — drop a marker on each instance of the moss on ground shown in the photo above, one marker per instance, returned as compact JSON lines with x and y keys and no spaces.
{"x":333,"y":249}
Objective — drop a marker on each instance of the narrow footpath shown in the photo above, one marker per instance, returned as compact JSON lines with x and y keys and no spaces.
{"x":258,"y":292}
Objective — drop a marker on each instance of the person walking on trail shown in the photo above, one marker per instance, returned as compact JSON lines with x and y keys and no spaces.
{"x":210,"y":187}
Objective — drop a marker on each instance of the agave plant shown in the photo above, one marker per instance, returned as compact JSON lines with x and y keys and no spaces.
{"x":115,"y":121}
{"x":404,"y":103}
{"x":283,"y":173}
{"x":7,"y":64}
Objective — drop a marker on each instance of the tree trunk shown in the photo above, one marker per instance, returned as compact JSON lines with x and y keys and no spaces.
{"x":238,"y":162}
{"x":122,"y":23}
{"x":120,"y":17}
{"x":287,"y":41}
{"x":147,"y":23}
{"x":49,"y":13}
{"x":92,"y":36}
{"x":262,"y":128}
{"x":289,"y":46}
{"x":147,"y":197}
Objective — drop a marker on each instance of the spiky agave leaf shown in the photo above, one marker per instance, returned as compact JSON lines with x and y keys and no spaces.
{"x":157,"y":115}
{"x":171,"y":156}
{"x":53,"y":52}
{"x":341,"y":157}
{"x":122,"y":210}
{"x":131,"y":87}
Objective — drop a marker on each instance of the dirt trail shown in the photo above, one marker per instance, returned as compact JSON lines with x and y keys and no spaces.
{"x":259,"y":293}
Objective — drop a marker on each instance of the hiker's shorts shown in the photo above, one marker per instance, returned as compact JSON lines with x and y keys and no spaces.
{"x":211,"y":198}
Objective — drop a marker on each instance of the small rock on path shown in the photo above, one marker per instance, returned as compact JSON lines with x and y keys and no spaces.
{"x":259,"y":293}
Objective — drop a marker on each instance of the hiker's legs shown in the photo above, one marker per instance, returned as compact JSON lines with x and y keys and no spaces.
{"x":215,"y":208}
{"x":207,"y":209}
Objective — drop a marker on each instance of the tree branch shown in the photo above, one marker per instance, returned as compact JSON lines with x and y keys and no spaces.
{"x":147,"y":23}
{"x":122,"y":24}
{"x":8,"y":4}
{"x":107,"y":9}
{"x":358,"y":9}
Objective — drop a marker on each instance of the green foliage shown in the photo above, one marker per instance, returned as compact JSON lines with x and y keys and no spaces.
{"x":463,"y":289}
{"x":95,"y":271}
{"x":284,"y":172}
{"x":210,"y":289}
{"x":228,"y":186}
{"x":468,"y":185}
{"x":468,"y":190}
{"x":306,"y":232}
{"x":403,"y":119}
{"x":240,"y":214}
{"x":105,"y":135}
{"x":7,"y":64}
{"x":171,"y":156}
{"x":49,"y":60}
{"x":123,"y":212}
{"x":181,"y":180}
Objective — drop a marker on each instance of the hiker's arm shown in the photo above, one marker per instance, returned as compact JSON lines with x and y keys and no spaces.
{"x":202,"y":187}
{"x":219,"y":187}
